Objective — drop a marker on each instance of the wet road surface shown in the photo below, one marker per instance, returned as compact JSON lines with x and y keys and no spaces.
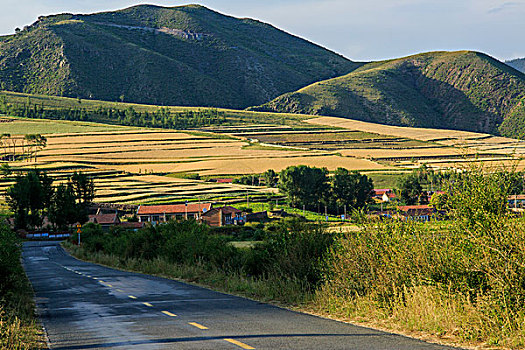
{"x":87,"y":306}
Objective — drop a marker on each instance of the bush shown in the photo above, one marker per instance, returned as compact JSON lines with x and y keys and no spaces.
{"x":474,"y":262}
{"x":10,"y":267}
{"x":292,"y":249}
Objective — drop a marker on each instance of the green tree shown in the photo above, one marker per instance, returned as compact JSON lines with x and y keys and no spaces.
{"x":304,"y":185}
{"x":83,"y":189}
{"x":270,"y":178}
{"x":63,"y":208}
{"x":29,"y":197}
{"x":351,"y":188}
{"x":410,"y":189}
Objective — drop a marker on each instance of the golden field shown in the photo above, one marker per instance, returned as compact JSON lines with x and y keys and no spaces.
{"x":130,"y":164}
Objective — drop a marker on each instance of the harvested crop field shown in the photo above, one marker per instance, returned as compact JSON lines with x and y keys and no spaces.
{"x":422,"y":134}
{"x":253,"y":165}
{"x":130,"y":164}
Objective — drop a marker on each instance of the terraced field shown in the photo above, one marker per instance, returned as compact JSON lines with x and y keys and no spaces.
{"x":130,"y":164}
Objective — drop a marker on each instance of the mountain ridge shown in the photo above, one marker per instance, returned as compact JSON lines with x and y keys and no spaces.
{"x":182,"y":55}
{"x":463,"y":90}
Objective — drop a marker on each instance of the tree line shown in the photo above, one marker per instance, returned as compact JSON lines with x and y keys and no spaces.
{"x":312,"y":188}
{"x":413,"y":187}
{"x":33,"y":197}
{"x":160,"y":118}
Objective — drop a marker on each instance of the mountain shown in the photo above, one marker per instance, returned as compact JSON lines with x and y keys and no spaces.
{"x":186,"y":55}
{"x":518,"y":64}
{"x":456,"y":90}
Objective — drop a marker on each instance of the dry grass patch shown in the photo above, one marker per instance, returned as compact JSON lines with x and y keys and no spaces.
{"x":422,"y":134}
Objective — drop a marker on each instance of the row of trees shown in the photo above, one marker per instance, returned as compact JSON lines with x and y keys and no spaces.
{"x":160,"y":118}
{"x":413,"y":187}
{"x":29,"y":144}
{"x":269,"y":179}
{"x":33,"y":197}
{"x":311,"y":187}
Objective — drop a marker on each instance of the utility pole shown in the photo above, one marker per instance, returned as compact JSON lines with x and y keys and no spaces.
{"x":345,"y":213}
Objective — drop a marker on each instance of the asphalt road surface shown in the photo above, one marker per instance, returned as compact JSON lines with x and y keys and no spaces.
{"x":87,"y":306}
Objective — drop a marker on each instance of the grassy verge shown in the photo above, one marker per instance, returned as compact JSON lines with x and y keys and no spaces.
{"x":19,"y":328}
{"x":268,"y":289}
{"x":18,"y":325}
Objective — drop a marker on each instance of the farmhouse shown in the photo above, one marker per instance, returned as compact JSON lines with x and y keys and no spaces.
{"x":417,"y":212}
{"x":226,"y":215}
{"x":106,"y":221}
{"x":164,"y":213}
{"x":516,"y":201}
{"x":383,"y":194}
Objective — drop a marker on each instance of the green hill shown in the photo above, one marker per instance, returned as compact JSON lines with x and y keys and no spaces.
{"x":187,"y":55}
{"x":457,"y":90}
{"x":518,"y":64}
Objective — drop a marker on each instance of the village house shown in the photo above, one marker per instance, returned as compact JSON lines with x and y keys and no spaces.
{"x":417,"y":212}
{"x":165,"y":213}
{"x":516,"y":201}
{"x":383,"y":194}
{"x":106,"y":221}
{"x":218,"y":217}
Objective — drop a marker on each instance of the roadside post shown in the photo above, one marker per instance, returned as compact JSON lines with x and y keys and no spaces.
{"x":79,"y":230}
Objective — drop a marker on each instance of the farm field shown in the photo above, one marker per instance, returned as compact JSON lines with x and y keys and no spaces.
{"x":131,"y":165}
{"x":45,"y":126}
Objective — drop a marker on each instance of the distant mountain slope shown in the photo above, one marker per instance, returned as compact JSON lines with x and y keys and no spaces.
{"x":518,"y":64}
{"x":187,"y":55}
{"x":457,"y":90}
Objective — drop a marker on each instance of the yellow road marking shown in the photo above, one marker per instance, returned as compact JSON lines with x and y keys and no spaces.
{"x":88,"y":276}
{"x":120,"y":290}
{"x":132,"y":297}
{"x":199,"y":326}
{"x":238,"y":343}
{"x":148,"y":304}
{"x":168,"y":313}
{"x":95,"y":278}
{"x":109,"y":285}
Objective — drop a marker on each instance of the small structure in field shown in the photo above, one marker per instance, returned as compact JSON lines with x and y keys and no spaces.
{"x":165,"y":213}
{"x":257,"y":217}
{"x":516,"y":201}
{"x":227,"y":215}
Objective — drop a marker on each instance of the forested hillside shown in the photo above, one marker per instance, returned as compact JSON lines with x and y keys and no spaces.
{"x":187,"y":55}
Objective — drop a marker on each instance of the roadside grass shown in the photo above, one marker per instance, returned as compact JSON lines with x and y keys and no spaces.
{"x":19,"y":328}
{"x":18,"y":324}
{"x":268,"y":288}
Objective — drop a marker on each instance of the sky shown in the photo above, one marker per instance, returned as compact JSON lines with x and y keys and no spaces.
{"x":360,"y":30}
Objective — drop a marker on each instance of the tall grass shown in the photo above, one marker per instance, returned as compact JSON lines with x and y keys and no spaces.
{"x":465,"y":281}
{"x":266,"y":288}
{"x":285,"y":267}
{"x":18,"y":326}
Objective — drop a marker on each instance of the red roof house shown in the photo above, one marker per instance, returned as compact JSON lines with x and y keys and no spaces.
{"x":226,"y":215}
{"x":163,"y":213}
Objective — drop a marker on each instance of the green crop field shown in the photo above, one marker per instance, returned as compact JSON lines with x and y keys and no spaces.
{"x":44,"y":126}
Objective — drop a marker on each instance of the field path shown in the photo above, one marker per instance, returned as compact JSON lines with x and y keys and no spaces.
{"x":87,"y":306}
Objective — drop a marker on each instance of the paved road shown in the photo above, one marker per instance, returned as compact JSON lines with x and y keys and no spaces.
{"x":86,"y":306}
